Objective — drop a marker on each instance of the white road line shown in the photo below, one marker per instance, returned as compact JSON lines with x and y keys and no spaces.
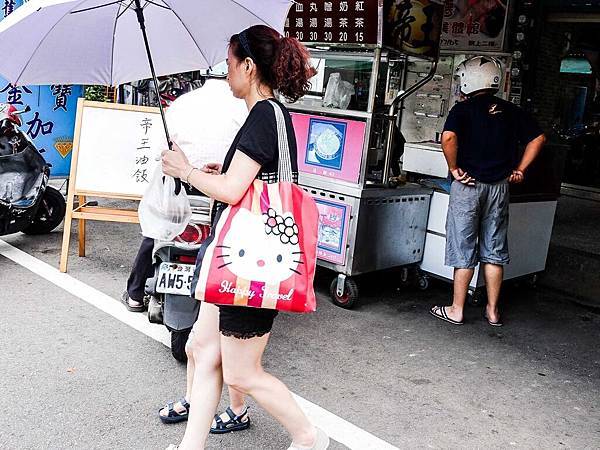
{"x":337,"y":428}
{"x":86,"y":293}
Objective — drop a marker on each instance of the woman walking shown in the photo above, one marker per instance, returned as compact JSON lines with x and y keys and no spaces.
{"x":229,"y":341}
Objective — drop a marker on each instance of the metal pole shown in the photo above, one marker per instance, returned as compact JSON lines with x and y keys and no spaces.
{"x":140,"y":16}
{"x":374,"y":79}
{"x":392,"y":117}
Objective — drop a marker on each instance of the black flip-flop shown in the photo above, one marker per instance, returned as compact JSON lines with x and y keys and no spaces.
{"x":174,"y":416}
{"x":125,"y":300}
{"x":235,"y":422}
{"x":494,"y":324}
{"x":439,"y":312}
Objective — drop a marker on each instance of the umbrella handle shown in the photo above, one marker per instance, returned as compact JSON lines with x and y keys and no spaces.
{"x":177,"y":180}
{"x":140,"y":16}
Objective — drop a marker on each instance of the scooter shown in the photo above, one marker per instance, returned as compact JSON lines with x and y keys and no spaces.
{"x":170,"y":302}
{"x":27,"y":203}
{"x":582,"y":166}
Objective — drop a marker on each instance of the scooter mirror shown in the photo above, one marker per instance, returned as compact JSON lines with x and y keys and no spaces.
{"x":23,"y":111}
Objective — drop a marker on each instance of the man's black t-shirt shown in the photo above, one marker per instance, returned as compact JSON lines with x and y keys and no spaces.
{"x":490,"y":131}
{"x":259,"y":140}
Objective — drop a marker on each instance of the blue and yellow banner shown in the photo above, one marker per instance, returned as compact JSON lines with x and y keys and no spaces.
{"x":51,"y":122}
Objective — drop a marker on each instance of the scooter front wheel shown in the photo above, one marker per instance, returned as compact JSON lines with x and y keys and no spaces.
{"x":50,"y":213}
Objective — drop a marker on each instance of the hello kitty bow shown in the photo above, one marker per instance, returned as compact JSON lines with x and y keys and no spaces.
{"x":284,"y":227}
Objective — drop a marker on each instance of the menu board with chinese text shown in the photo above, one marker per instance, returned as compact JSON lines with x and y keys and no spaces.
{"x":334,"y":22}
{"x":410,"y":26}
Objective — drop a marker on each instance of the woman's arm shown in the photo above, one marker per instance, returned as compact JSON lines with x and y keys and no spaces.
{"x":227,"y":188}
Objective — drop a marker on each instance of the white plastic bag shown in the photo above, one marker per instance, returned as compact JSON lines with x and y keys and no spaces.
{"x":163,"y":214}
{"x":338,"y":92}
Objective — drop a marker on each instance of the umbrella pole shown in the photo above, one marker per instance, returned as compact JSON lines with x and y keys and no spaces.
{"x":140,"y":16}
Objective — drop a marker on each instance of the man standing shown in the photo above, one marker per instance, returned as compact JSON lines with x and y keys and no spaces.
{"x":481,"y":142}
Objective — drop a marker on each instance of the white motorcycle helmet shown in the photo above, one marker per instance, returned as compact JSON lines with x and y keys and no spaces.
{"x":479,"y":73}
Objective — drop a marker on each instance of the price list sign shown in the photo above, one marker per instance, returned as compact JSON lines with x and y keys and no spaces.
{"x":334,"y":22}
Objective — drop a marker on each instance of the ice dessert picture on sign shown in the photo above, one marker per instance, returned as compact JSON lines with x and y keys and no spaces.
{"x":326,"y":140}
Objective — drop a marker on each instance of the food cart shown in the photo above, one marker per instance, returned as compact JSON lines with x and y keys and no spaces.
{"x":533,"y":204}
{"x":347,"y":131}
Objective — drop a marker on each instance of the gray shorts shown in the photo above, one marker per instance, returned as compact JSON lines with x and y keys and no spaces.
{"x":477,"y":225}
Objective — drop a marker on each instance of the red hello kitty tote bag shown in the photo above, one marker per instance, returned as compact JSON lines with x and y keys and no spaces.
{"x":262,"y":252}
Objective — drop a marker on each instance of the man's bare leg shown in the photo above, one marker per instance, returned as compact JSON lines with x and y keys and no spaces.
{"x":462,"y":279}
{"x":493,"y":282}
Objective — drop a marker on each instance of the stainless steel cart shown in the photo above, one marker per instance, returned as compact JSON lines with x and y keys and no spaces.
{"x":347,"y":130}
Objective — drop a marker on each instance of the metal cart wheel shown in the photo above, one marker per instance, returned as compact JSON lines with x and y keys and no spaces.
{"x":533,"y":281}
{"x":404,"y":276}
{"x":423,"y":282}
{"x":477,"y":297}
{"x":407,"y":276}
{"x":348,"y":297}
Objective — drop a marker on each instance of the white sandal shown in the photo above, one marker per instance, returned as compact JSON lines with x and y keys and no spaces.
{"x":172,"y":447}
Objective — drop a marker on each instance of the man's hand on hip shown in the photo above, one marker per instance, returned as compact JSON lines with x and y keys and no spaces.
{"x":463,"y":177}
{"x":517,"y":176}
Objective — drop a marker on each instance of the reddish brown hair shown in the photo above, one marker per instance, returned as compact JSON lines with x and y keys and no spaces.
{"x":283,"y":62}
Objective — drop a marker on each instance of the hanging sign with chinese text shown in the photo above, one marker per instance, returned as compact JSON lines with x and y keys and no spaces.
{"x":474,"y":25}
{"x":413,"y":26}
{"x":51,"y":121}
{"x":410,"y":26}
{"x":335,"y":22}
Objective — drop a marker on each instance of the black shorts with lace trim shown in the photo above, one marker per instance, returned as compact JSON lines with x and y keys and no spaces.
{"x":244,"y":322}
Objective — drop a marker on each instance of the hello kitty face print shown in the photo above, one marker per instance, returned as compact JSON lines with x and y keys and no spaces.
{"x":265,"y":248}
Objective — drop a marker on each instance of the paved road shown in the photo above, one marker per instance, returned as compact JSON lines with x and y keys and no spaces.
{"x":75,"y":377}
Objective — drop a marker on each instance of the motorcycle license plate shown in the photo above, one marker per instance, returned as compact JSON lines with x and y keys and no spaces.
{"x":175,"y":278}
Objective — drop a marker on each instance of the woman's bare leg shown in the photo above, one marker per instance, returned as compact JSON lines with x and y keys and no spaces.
{"x":190,"y":367}
{"x":242,"y":370}
{"x":207,"y":378}
{"x":237,"y":400}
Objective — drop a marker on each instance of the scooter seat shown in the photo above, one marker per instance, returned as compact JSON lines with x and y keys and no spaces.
{"x":22,"y":176}
{"x":24,"y":202}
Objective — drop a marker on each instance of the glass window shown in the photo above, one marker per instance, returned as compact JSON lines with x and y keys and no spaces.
{"x":575,"y":65}
{"x":342,"y":82}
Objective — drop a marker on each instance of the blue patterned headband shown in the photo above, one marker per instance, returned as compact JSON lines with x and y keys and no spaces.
{"x":245,"y":44}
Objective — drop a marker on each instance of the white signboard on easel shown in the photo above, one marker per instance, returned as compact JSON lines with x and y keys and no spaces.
{"x":115,"y":150}
{"x":114,"y":156}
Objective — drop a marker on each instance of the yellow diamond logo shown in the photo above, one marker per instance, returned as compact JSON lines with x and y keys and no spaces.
{"x":63,"y":147}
